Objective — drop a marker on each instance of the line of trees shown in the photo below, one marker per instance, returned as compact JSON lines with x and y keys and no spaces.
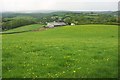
{"x":10,"y":23}
{"x":81,"y":18}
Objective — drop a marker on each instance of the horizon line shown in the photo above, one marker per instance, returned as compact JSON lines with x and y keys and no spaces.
{"x":35,"y":11}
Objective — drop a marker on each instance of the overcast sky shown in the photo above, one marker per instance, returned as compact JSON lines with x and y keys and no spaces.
{"x":72,"y":5}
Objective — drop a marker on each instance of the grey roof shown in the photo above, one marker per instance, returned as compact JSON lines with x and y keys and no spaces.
{"x":56,"y":23}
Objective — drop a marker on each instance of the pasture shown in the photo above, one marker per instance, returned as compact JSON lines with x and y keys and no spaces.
{"x":81,"y":51}
{"x":25,"y":28}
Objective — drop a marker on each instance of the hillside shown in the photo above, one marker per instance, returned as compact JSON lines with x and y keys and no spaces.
{"x":14,"y":20}
{"x":81,"y":51}
{"x":25,"y":28}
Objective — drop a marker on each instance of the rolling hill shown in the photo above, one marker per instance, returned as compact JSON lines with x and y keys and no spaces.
{"x":81,"y":51}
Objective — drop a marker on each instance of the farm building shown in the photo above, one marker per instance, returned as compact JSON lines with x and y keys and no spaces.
{"x":55,"y":24}
{"x":72,"y":24}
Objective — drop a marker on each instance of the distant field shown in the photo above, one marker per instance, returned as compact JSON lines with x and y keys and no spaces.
{"x":83,"y":51}
{"x":25,"y":28}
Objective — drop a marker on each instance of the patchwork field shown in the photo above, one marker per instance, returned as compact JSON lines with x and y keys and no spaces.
{"x":81,"y":51}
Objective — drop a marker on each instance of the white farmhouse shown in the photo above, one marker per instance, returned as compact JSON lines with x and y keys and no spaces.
{"x":55,"y":24}
{"x":72,"y":24}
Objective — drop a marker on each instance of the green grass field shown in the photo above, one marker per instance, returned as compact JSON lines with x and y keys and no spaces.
{"x":25,"y":28}
{"x":81,"y":51}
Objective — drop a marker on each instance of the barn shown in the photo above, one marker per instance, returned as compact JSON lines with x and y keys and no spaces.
{"x":55,"y":24}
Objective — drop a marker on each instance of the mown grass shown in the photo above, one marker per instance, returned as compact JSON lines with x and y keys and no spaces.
{"x":83,"y":51}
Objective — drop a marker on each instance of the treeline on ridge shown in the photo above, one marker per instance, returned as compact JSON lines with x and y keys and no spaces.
{"x":10,"y":23}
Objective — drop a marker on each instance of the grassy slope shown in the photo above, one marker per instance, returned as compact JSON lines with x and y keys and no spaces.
{"x":76,"y":51}
{"x":25,"y":28}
